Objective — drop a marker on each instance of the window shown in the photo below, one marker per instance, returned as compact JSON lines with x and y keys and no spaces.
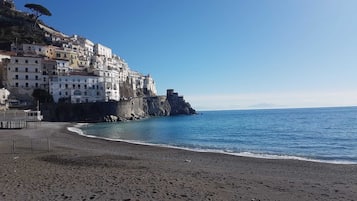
{"x":60,"y":85}
{"x":16,"y":61}
{"x":66,"y":93}
{"x":66,"y":86}
{"x":16,"y":77}
{"x":58,"y":55}
{"x":74,"y":86}
{"x":17,"y":84}
{"x":26,"y":70}
{"x":60,"y":93}
{"x":26,"y":61}
{"x":26,"y":84}
{"x":36,"y":77}
{"x":36,"y":85}
{"x":16,"y":70}
{"x":36,"y":70}
{"x":36,"y":61}
{"x":79,"y":86}
{"x":26,"y":77}
{"x":44,"y":79}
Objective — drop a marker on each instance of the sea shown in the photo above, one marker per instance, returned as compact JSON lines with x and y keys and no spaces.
{"x":326,"y":135}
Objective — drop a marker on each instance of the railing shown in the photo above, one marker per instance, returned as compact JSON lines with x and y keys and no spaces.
{"x":15,"y":124}
{"x":16,"y":146}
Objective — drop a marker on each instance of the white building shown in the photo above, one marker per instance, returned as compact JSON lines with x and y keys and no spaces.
{"x":62,"y":67}
{"x":149,"y":85}
{"x":24,"y":74}
{"x":111,"y":83}
{"x":102,"y":50}
{"x":87,"y":45}
{"x":34,"y":49}
{"x":77,"y":88}
{"x":4,"y":95}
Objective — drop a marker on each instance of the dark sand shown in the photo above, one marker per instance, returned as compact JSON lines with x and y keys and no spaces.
{"x":80,"y":168}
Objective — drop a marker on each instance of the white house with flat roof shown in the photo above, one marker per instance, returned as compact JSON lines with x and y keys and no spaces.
{"x":102,"y":50}
{"x":111,"y":83}
{"x":77,"y":88}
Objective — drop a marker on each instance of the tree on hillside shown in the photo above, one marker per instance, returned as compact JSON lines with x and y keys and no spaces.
{"x":42,"y":95}
{"x":38,"y":10}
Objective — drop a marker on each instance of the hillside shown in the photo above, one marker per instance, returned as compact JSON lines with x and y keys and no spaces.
{"x":16,"y":26}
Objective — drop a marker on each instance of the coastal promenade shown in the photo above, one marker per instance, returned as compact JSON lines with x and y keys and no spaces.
{"x":80,"y":168}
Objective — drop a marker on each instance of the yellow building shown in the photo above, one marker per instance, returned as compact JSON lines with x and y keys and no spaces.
{"x":67,"y":55}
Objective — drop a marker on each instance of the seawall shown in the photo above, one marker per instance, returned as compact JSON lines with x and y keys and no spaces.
{"x":127,"y":109}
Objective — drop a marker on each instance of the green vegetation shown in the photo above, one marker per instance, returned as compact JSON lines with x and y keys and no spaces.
{"x":42,"y":95}
{"x":16,"y":26}
{"x":38,"y":10}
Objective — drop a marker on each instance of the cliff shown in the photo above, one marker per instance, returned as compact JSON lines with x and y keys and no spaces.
{"x":131,"y":109}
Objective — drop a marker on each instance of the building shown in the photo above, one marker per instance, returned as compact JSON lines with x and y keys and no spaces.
{"x":102,"y":50}
{"x":25,"y":74}
{"x":4,"y":61}
{"x":68,"y":55}
{"x":111,"y":83}
{"x":76,"y":71}
{"x":77,"y":88}
{"x":34,"y":50}
{"x":87,"y":45}
{"x":149,"y":86}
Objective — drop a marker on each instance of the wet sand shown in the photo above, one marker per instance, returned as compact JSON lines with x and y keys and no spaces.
{"x":80,"y":168}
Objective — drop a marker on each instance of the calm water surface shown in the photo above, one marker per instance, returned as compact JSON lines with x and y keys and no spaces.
{"x":324,"y":134}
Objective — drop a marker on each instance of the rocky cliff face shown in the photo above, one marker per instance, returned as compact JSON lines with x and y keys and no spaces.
{"x":131,"y":109}
{"x":178,"y":104}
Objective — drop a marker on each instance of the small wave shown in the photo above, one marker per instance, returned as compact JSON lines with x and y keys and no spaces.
{"x":76,"y":129}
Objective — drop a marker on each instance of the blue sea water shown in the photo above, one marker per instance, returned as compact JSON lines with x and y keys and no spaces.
{"x":317,"y":134}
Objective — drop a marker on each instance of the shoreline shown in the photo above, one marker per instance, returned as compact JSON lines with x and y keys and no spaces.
{"x":76,"y":128}
{"x":78,"y":168}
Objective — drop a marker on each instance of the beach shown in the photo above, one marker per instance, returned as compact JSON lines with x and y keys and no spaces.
{"x":51,"y":163}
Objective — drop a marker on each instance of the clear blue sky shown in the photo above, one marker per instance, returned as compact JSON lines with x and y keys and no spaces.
{"x":227,"y":54}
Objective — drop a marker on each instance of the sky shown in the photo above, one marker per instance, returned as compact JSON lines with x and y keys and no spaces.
{"x":227,"y":54}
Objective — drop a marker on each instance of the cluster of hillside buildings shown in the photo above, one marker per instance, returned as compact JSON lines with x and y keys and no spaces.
{"x":73,"y":69}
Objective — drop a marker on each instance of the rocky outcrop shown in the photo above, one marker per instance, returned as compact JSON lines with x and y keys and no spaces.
{"x":158,"y":106}
{"x":178,"y":104}
{"x":128,"y":109}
